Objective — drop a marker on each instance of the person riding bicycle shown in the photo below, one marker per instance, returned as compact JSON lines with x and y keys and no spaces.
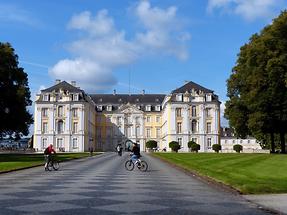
{"x":48,"y":153}
{"x":135,"y":153}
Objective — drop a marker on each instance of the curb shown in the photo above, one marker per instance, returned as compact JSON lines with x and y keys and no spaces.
{"x":38,"y":165}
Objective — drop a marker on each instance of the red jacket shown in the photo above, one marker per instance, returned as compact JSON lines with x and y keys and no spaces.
{"x":50,"y":150}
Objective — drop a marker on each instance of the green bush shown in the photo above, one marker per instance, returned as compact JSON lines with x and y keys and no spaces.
{"x":216,"y":147}
{"x":151,"y":144}
{"x":237,"y":148}
{"x":189,"y":144}
{"x":194,"y":147}
{"x":174,"y":146}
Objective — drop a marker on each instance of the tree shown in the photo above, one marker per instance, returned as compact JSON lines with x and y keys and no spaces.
{"x":216,"y":147}
{"x":174,"y":146}
{"x":151,"y":144}
{"x":238,"y":148}
{"x":194,"y":147}
{"x":257,"y":89}
{"x":14,"y":94}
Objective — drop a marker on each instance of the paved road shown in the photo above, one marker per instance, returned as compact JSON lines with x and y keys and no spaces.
{"x":101,"y":185}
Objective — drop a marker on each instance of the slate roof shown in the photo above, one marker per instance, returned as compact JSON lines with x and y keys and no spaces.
{"x":126,"y":98}
{"x":62,"y":85}
{"x":191,"y":85}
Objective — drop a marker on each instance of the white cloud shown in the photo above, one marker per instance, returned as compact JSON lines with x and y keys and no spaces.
{"x":103,"y":47}
{"x":248,"y":9}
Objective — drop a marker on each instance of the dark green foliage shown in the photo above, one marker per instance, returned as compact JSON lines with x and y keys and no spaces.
{"x":174,"y":146}
{"x":216,"y":147}
{"x":238,"y":148}
{"x":257,"y":89}
{"x":151,"y":144}
{"x":194,"y":146}
{"x":14,"y":94}
{"x":189,"y":144}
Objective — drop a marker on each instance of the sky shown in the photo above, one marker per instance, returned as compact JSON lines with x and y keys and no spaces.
{"x":132,"y":45}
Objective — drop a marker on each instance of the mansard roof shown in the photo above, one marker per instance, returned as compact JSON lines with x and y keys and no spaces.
{"x":64,"y":86}
{"x":151,"y":99}
{"x":189,"y":86}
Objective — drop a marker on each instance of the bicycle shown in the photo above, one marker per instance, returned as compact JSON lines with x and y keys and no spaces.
{"x":140,"y":164}
{"x":53,"y":164}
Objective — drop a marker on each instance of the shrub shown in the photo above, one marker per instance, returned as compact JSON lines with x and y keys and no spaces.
{"x":174,"y":146}
{"x":151,"y":144}
{"x":194,"y":147}
{"x":216,"y":147}
{"x":237,"y":148}
{"x":189,"y":144}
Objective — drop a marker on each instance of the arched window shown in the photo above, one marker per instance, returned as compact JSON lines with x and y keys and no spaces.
{"x":193,"y":126}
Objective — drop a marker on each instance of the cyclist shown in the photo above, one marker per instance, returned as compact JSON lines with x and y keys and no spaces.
{"x":48,"y":153}
{"x":135,"y":153}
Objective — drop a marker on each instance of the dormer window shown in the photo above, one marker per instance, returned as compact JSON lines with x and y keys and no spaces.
{"x":148,"y":108}
{"x":75,"y":97}
{"x":100,"y":108}
{"x":120,"y":100}
{"x":139,"y":107}
{"x":157,"y":107}
{"x":46,"y":97}
{"x":109,"y":108}
{"x":137,"y":100}
{"x":208,"y":97}
{"x":179,"y":97}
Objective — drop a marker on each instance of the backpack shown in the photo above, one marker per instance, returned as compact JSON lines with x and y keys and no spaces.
{"x":46,"y":152}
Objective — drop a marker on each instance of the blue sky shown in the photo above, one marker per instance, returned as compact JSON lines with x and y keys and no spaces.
{"x":161,"y":43}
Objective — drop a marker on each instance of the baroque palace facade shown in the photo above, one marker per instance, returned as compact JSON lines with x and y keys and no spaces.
{"x":75,"y":121}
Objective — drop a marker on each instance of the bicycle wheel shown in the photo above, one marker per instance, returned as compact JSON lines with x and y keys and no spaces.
{"x":50,"y":166}
{"x":129,"y":165}
{"x":143,"y":166}
{"x":56,"y":165}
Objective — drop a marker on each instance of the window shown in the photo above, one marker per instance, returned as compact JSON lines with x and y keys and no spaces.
{"x":179,"y":97}
{"x":157,"y":118}
{"x":240,"y":141}
{"x":74,"y":112}
{"x":179,"y":140}
{"x":208,"y":127}
{"x":233,"y":141}
{"x":194,"y":140}
{"x":44,"y":112}
{"x":59,"y":143}
{"x":148,"y":108}
{"x":178,"y":112}
{"x":178,"y":128}
{"x":109,"y":108}
{"x":248,"y":141}
{"x":60,"y":127}
{"x":193,"y":126}
{"x":45,"y":127}
{"x":209,"y":143}
{"x":208,"y":112}
{"x":75,"y":143}
{"x":60,"y":111}
{"x":137,"y":131}
{"x":158,"y":133}
{"x":46,"y":97}
{"x":193,"y":111}
{"x":99,"y":107}
{"x":119,"y":120}
{"x":75,"y":127}
{"x":148,"y":119}
{"x":44,"y":143}
{"x":157,"y":107}
{"x":148,"y":133}
{"x":208,"y":98}
{"x":75,"y":97}
{"x":137,"y":120}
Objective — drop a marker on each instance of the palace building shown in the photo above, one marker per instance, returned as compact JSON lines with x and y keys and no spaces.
{"x":75,"y":121}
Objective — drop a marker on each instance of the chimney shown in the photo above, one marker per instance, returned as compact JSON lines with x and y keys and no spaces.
{"x":115,"y":92}
{"x":73,"y":83}
{"x":58,"y":81}
{"x":143,"y":92}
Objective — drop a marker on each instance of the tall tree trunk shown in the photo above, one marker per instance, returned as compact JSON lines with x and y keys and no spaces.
{"x":282,"y":142}
{"x":272,"y":142}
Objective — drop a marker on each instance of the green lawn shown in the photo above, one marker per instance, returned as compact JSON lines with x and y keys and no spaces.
{"x":248,"y":173}
{"x":18,"y":161}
